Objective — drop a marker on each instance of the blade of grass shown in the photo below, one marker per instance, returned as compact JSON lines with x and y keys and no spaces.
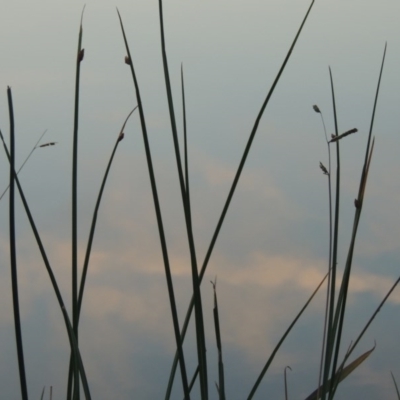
{"x":26,"y":159}
{"x":71,"y":336}
{"x":92,"y":230}
{"x":44,"y":387}
{"x":344,"y":373}
{"x":231,"y":192}
{"x":200,"y":336}
{"x":328,"y":173}
{"x":13,"y":255}
{"x":79,"y":58}
{"x":282,"y":339}
{"x":395,"y":385}
{"x":341,"y":308}
{"x":164,"y":249}
{"x":185,"y":143}
{"x":221,"y":381}
{"x":330,"y":340}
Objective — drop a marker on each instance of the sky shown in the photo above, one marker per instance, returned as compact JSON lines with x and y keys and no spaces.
{"x":272,"y":250}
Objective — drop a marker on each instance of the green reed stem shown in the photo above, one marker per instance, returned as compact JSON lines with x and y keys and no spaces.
{"x":71,"y":336}
{"x":230,"y":195}
{"x":91,"y":234}
{"x":282,"y":339}
{"x":164,"y":249}
{"x":200,"y":335}
{"x":13,"y":255}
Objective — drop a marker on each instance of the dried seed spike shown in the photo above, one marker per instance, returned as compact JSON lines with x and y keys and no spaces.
{"x":81,"y":54}
{"x":48,"y":144}
{"x":334,"y":139}
{"x":357,"y":203}
{"x":121,"y":136}
{"x":316,"y":109}
{"x":128,"y":60}
{"x":324,"y":170}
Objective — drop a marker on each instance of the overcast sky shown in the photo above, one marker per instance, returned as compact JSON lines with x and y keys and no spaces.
{"x":273,"y":247}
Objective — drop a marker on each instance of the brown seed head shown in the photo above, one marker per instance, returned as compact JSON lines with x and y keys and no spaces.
{"x":81,"y":54}
{"x":121,"y":136}
{"x":316,"y":109}
{"x":128,"y":60}
{"x":323,"y":168}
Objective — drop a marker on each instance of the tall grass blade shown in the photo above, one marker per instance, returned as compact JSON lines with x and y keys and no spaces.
{"x":231,"y":192}
{"x":221,"y":378}
{"x":374,"y":108}
{"x":79,"y":58}
{"x":128,"y":60}
{"x":395,"y":385}
{"x":341,"y":308}
{"x":44,"y":387}
{"x":200,"y":336}
{"x":343,"y":373}
{"x":13,"y":255}
{"x":71,"y":336}
{"x":328,"y":173}
{"x":26,"y":159}
{"x":92,"y":230}
{"x":330,"y":340}
{"x":185,"y":144}
{"x":272,"y":356}
{"x":95,"y":213}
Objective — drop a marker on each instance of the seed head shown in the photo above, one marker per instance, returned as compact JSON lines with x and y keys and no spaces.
{"x":81,"y":54}
{"x":121,"y":136}
{"x":128,"y":60}
{"x":316,"y":109}
{"x":323,"y":168}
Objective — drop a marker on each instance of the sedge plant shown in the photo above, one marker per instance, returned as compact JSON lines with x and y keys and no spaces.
{"x":332,"y":371}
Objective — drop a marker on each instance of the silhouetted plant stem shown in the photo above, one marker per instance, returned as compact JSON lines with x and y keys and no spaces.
{"x":200,"y":336}
{"x":26,"y":159}
{"x":79,"y":58}
{"x":231,"y":192}
{"x":128,"y":60}
{"x":67,"y":322}
{"x":92,"y":230}
{"x":13,"y":255}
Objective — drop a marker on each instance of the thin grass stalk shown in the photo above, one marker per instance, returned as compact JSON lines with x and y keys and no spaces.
{"x":71,"y":336}
{"x":171,"y":294}
{"x":331,"y":332}
{"x":44,"y":387}
{"x":92,"y":230}
{"x":193,"y":380}
{"x":330,"y":252}
{"x":359,"y":202}
{"x":51,"y":392}
{"x":353,"y":346}
{"x":282,"y":339}
{"x":26,"y":159}
{"x":185,"y":143}
{"x":285,"y":381}
{"x":373,"y":113}
{"x":370,"y":320}
{"x":231,"y":192}
{"x":79,"y":58}
{"x":221,"y":378}
{"x":200,"y":335}
{"x":395,"y":385}
{"x":343,"y":372}
{"x":13,"y":255}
